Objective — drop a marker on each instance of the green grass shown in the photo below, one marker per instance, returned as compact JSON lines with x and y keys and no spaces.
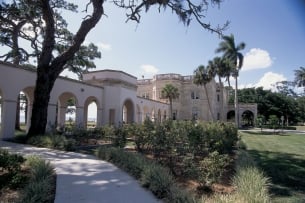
{"x":282,"y":158}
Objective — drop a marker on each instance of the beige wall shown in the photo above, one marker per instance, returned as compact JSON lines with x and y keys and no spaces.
{"x":186,"y":106}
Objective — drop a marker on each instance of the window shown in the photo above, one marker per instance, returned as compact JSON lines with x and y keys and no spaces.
{"x":218,"y":116}
{"x":145,"y":95}
{"x":195,"y":95}
{"x":218,"y":98}
{"x":195,"y":113}
{"x":174,"y":114}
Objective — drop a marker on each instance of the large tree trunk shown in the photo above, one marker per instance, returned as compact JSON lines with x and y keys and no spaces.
{"x":44,"y":84}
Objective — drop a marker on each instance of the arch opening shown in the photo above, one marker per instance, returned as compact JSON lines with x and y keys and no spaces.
{"x":128,"y":112}
{"x":247,"y":119}
{"x":66,"y":110}
{"x":231,"y":116}
{"x":91,"y":112}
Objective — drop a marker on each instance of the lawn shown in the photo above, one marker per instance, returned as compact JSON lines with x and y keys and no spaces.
{"x":282,"y":158}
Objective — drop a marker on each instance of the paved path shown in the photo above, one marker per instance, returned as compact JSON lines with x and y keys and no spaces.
{"x":84,"y":179}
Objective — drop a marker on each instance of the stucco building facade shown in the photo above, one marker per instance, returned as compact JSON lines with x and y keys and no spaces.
{"x":193,"y":100}
{"x":119,"y":98}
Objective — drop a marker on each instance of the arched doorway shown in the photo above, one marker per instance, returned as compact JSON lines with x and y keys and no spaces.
{"x":247,"y":119}
{"x":66,"y":109}
{"x":91,"y":112}
{"x":231,"y":116}
{"x":128,"y":112}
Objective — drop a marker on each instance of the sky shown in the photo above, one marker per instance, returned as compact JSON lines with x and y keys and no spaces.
{"x":273,"y":31}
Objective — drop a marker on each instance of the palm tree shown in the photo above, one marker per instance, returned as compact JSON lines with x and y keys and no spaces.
{"x":300,"y":77}
{"x":222,"y":70}
{"x":232,"y":53}
{"x":202,"y":76}
{"x":170,"y":92}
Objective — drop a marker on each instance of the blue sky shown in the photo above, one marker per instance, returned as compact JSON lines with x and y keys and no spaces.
{"x":273,"y":30}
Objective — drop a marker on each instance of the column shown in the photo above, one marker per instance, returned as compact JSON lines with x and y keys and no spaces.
{"x":79,"y":117}
{"x":99,"y":116}
{"x":8,"y":115}
{"x":51,"y":122}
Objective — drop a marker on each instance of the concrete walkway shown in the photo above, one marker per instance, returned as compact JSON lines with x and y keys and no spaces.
{"x":85,"y":179}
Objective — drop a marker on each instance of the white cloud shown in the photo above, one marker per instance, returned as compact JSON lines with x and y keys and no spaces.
{"x":150,"y":69}
{"x":269,"y":79}
{"x":257,"y":59}
{"x":104,"y":46}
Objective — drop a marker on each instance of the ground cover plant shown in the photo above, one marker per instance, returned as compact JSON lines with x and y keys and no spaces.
{"x":282,"y":158}
{"x":24,"y":180}
{"x":199,"y":157}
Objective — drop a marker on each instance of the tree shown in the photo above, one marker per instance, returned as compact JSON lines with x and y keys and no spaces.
{"x":54,"y":47}
{"x":202,"y":76}
{"x":232,"y":53}
{"x":300,"y":77}
{"x":170,"y":92}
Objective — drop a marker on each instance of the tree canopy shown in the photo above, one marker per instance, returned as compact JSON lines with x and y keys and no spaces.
{"x":170,"y":92}
{"x":202,"y":76}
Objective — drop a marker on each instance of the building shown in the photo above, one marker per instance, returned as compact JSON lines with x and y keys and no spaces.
{"x":119,"y":98}
{"x":193,"y":100}
{"x":114,"y":93}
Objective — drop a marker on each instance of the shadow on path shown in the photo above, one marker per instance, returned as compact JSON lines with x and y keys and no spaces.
{"x":84,"y":178}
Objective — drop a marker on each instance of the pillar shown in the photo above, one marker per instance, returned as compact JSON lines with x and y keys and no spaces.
{"x":79,"y":118}
{"x":8,"y":115}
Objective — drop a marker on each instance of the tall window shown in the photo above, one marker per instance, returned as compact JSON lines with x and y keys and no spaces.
{"x":195,"y":113}
{"x":195,"y":95}
{"x":218,"y":98}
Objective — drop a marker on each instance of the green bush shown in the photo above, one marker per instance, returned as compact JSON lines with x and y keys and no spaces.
{"x":119,"y":139}
{"x":52,"y":141}
{"x":108,"y":132}
{"x":10,"y":162}
{"x":157,"y":179}
{"x":41,"y":183}
{"x":212,"y":168}
{"x":153,"y":176}
{"x":251,"y":183}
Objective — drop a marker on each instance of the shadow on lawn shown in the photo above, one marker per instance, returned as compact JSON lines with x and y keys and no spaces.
{"x":286,"y":171}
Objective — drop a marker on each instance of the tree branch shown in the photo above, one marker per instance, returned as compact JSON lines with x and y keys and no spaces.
{"x":49,"y":40}
{"x":87,"y":24}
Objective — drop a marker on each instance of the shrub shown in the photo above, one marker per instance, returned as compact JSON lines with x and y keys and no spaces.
{"x":41,"y":183}
{"x":212,"y":168}
{"x":10,"y":162}
{"x":251,"y":183}
{"x":153,"y":176}
{"x":157,"y":179}
{"x":52,"y":141}
{"x":119,"y":139}
{"x":108,"y":132}
{"x":40,"y":169}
